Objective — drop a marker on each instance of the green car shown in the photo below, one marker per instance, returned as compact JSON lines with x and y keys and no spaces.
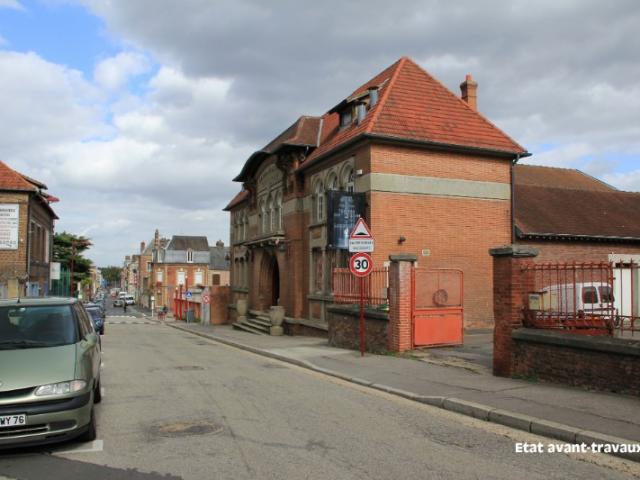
{"x":49,"y":372}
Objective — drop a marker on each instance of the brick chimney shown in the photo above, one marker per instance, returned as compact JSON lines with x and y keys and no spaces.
{"x":156,"y":239}
{"x":142,"y":245}
{"x":469,"y":89}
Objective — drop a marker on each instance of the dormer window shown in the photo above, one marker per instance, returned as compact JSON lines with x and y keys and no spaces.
{"x":346,"y":117}
{"x":189,"y":256}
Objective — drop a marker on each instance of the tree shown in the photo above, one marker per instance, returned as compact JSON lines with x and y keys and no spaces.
{"x":111,"y":274}
{"x":68,"y":249}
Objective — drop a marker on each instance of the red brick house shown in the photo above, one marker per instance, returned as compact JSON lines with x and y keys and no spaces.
{"x":434,"y":173}
{"x":26,"y":235}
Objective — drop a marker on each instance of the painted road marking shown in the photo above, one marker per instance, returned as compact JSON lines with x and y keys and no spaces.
{"x":87,"y":447}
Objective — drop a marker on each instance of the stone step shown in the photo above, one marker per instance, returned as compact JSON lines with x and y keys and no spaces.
{"x":258,"y":326}
{"x":266,"y":322}
{"x":248,"y":328}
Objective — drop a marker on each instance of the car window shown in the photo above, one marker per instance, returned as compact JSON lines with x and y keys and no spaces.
{"x":589,"y":295}
{"x":36,"y":326}
{"x":606,"y":294}
{"x":83,"y":320}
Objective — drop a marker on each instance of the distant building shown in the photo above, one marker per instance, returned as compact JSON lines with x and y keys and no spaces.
{"x":219,"y":265}
{"x":26,"y":235}
{"x":180,"y":265}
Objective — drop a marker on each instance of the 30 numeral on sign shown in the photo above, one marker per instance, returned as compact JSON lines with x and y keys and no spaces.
{"x":361,"y":264}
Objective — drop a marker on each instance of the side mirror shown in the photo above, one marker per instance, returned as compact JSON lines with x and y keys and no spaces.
{"x":90,"y":341}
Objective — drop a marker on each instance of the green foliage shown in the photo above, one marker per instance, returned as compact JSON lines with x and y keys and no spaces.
{"x":111,"y":274}
{"x":68,"y":247}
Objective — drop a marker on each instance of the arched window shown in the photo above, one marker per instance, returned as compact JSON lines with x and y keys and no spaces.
{"x":278,"y":207}
{"x":245,"y":226}
{"x":272,"y":214}
{"x":332,"y":182}
{"x":348,"y":180}
{"x":319,"y":201}
{"x":263,"y":216}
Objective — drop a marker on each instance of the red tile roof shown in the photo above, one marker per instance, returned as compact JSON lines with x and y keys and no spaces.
{"x":237,"y":200}
{"x":590,"y":214}
{"x":537,"y":176}
{"x":413,"y":105}
{"x":12,"y":180}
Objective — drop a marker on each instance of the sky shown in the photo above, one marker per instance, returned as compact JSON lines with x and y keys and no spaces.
{"x":137,"y":114}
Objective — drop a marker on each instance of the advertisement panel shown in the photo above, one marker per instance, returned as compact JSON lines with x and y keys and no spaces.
{"x":9,"y":223}
{"x":343,"y":211}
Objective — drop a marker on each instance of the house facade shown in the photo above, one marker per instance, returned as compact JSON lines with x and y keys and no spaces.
{"x":428,"y":173}
{"x":180,"y":265}
{"x":26,"y":235}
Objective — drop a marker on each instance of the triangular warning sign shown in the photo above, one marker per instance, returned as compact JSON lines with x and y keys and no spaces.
{"x":360,"y":230}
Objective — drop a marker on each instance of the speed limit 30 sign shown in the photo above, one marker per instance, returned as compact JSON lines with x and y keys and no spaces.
{"x":361,"y":264}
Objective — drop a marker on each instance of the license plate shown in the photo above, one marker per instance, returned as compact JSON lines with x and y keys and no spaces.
{"x":13,"y":420}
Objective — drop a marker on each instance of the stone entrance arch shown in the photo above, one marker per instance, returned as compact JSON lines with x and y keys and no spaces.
{"x":269,"y":285}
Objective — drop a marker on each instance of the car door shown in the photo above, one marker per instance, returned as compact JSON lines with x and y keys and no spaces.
{"x":89,"y":346}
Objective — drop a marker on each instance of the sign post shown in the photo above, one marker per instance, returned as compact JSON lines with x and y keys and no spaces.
{"x":361,"y":264}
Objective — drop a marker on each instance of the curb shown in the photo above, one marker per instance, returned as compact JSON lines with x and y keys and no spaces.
{"x":518,"y":421}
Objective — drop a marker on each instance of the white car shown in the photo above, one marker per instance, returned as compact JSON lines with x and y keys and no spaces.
{"x":129,"y":300}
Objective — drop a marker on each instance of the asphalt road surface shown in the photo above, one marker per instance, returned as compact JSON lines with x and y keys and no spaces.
{"x":179,"y":406}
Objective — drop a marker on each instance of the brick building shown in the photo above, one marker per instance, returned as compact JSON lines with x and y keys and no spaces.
{"x":568,"y":215}
{"x":181,"y":264}
{"x":26,"y":235}
{"x":429,"y":173}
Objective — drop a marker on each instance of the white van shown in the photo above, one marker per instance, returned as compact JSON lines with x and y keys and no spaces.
{"x":594,"y":298}
{"x":128,"y":299}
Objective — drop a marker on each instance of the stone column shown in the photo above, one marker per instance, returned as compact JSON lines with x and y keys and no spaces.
{"x":509,"y":289}
{"x":400,"y":322}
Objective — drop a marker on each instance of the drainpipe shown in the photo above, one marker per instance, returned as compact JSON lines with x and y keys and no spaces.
{"x":513,"y":200}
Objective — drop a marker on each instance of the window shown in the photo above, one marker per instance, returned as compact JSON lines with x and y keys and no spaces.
{"x":159,"y":276}
{"x":589,"y":295}
{"x":318,"y":280}
{"x":189,"y":256}
{"x":198,"y":278}
{"x":319,"y":202}
{"x":332,"y":182}
{"x":272,"y":214}
{"x":278,"y":206}
{"x":606,"y":294}
{"x":243,"y":226}
{"x":181,"y":278}
{"x":263,"y":216}
{"x":345,"y":118}
{"x":215,"y":279}
{"x":149,"y":267}
{"x":349,"y":183}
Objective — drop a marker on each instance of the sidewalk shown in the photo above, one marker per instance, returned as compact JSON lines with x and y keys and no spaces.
{"x":566,"y":413}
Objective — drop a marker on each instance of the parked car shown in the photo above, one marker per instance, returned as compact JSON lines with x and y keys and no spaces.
{"x":49,"y":372}
{"x":129,"y":300}
{"x":97,"y":317}
{"x":118,"y":302}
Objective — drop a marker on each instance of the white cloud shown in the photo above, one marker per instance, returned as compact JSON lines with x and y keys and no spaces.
{"x":629,"y":181}
{"x":13,"y":4}
{"x":114,"y":72}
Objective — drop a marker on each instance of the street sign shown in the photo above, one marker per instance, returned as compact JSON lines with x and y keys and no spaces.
{"x":188,"y":294}
{"x":206,"y":299}
{"x":361,"y":264}
{"x":360,"y":239}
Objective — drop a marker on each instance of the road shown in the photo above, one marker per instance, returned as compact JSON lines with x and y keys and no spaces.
{"x":179,"y":406}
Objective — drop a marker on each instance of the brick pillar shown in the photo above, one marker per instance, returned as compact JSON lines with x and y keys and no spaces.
{"x":400,"y":302}
{"x":509,"y":287}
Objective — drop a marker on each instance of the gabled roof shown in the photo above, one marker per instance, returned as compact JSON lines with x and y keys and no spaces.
{"x":185,"y":242}
{"x":571,"y":179}
{"x":12,"y":180}
{"x":219,"y":258}
{"x":302,"y":133}
{"x":415,"y":106}
{"x":556,"y":213}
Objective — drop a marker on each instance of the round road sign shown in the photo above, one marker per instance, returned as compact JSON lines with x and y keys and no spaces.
{"x":361,"y":264}
{"x":206,"y":299}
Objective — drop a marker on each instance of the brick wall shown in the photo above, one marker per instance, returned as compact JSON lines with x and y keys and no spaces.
{"x":600,"y":363}
{"x":344,"y":328}
{"x":457,"y":232}
{"x":13,"y":263}
{"x":563,"y":251}
{"x":400,"y":315}
{"x":219,"y":311}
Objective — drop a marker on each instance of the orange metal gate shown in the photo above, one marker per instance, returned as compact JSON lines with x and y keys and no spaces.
{"x":436,"y":306}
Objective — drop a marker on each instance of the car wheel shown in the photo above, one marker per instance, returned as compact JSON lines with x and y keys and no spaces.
{"x":91,"y":434}
{"x":97,"y":393}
